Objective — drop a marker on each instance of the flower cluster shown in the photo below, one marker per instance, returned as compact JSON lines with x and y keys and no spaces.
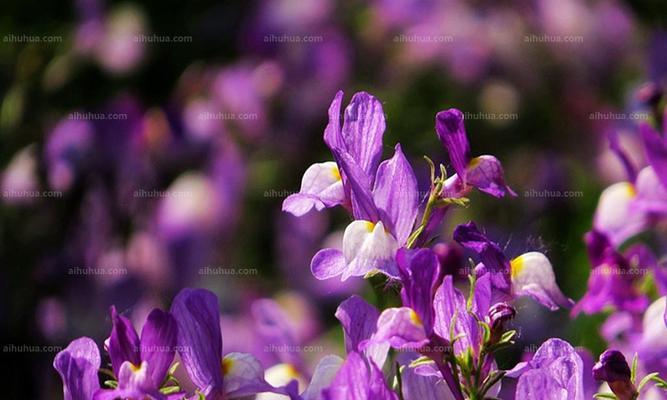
{"x":437,"y":337}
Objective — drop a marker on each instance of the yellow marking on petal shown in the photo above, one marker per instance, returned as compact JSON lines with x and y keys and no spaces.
{"x":292,"y":371}
{"x":134,"y":368}
{"x":516,"y":266}
{"x":415,"y":318}
{"x":630,"y":189}
{"x":370,"y":226}
{"x":474,"y":162}
{"x":227,"y":365}
{"x":336,"y":173}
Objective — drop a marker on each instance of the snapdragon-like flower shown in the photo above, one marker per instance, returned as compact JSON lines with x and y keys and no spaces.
{"x":216,"y":376}
{"x":483,"y":172}
{"x":613,"y":369}
{"x":529,"y":274}
{"x":613,"y":279}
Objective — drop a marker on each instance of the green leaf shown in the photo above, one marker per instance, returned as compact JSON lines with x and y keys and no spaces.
{"x":110,"y":383}
{"x":645,"y":380}
{"x":633,"y":371}
{"x":604,"y":396}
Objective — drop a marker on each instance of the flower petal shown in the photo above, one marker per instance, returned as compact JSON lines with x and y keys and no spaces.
{"x":451,"y":131}
{"x":533,"y":275}
{"x":327,"y":263}
{"x":363,"y":128}
{"x":363,"y":206}
{"x":486,"y":174}
{"x":368,"y":247}
{"x":423,"y":387}
{"x":355,"y":380}
{"x":656,"y":151}
{"x":158,"y":343}
{"x":77,"y":365}
{"x":420,"y":274}
{"x":199,"y":337}
{"x":332,"y":134}
{"x":359,"y":321}
{"x":325,"y":371}
{"x":396,"y":195}
{"x":401,"y":328}
{"x":243,"y":375}
{"x":321,"y":187}
{"x":124,"y":343}
{"x":615,"y":215}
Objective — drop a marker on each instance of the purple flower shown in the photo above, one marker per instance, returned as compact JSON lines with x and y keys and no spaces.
{"x":77,"y":365}
{"x":484,"y":172}
{"x":358,"y":379}
{"x":359,"y":321}
{"x":530,"y":274}
{"x":613,"y":369}
{"x":200,"y":347}
{"x":612,"y":280}
{"x":555,"y":372}
{"x":140,"y":364}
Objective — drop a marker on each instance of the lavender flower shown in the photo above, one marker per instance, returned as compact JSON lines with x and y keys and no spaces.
{"x":77,"y":365}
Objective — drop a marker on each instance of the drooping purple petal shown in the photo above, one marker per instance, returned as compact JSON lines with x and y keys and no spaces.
{"x":124,"y":343}
{"x":363,"y":128}
{"x":656,"y":151}
{"x":332,"y":134}
{"x":396,"y":195}
{"x":199,"y":337}
{"x":327,"y":263}
{"x":363,"y":206}
{"x":533,"y":275}
{"x":158,"y":343}
{"x":420,"y":274}
{"x":492,"y":257}
{"x":77,"y":365}
{"x":359,"y":321}
{"x":451,"y":131}
{"x":418,"y":386}
{"x":486,"y":174}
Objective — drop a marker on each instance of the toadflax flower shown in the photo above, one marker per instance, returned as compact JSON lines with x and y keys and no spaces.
{"x":77,"y":365}
{"x":613,"y":369}
{"x":200,"y":347}
{"x":529,"y":274}
{"x":383,"y":199}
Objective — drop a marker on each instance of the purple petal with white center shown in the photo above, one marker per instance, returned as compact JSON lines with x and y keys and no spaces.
{"x":656,"y":151}
{"x":324,"y":373}
{"x":451,"y":131}
{"x":124,"y":343}
{"x":356,"y":380}
{"x":368,"y":248}
{"x":363,"y":206}
{"x":332,"y":134}
{"x":533,"y":275}
{"x":396,"y":195}
{"x":486,"y":174}
{"x":77,"y":365}
{"x":423,"y":387}
{"x":363,"y":128}
{"x":134,"y":382}
{"x":158,"y":342}
{"x":420,"y":273}
{"x":359,"y":321}
{"x":243,"y":376}
{"x":199,"y":337}
{"x":328,"y":263}
{"x":401,"y":328}
{"x":321,"y":187}
{"x":492,"y":257}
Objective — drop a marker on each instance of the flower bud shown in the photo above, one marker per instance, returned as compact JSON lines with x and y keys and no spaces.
{"x":499,"y":314}
{"x":613,"y":369}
